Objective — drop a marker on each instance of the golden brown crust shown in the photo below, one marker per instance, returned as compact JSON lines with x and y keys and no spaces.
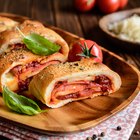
{"x":7,"y":24}
{"x":28,"y":27}
{"x":23,"y":56}
{"x":30,"y":24}
{"x":69,"y":68}
{"x":43,"y":83}
{"x":17,"y":56}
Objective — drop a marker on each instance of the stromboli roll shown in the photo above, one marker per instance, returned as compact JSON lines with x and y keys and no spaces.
{"x":13,"y":39}
{"x":60,"y":84}
{"x":18,"y":64}
{"x":18,"y":67}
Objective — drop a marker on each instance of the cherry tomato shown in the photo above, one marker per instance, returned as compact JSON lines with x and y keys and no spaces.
{"x":85,"y":49}
{"x":84,"y":5}
{"x":123,"y":3}
{"x":108,"y":6}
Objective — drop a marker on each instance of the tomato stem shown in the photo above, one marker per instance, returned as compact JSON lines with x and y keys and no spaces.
{"x":86,"y":52}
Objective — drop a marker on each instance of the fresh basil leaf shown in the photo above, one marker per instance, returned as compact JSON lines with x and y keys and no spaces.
{"x":20,"y":103}
{"x":40,"y":45}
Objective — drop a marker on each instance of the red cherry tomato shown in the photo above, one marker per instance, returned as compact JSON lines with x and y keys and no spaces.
{"x":123,"y":3}
{"x":108,"y":6}
{"x":84,"y":5}
{"x":85,"y":49}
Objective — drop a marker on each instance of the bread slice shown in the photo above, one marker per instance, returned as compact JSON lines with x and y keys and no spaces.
{"x":60,"y":84}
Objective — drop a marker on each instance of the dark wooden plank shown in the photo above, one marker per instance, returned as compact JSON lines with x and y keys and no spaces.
{"x":134,"y":3}
{"x":89,"y":24}
{"x":3,"y":5}
{"x":3,"y":138}
{"x":43,"y":11}
{"x":20,"y":7}
{"x":65,"y":16}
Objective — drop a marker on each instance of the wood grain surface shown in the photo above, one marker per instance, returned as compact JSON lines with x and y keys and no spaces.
{"x":58,"y":13}
{"x":81,"y":115}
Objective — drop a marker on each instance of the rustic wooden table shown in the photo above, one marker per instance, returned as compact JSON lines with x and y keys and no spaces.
{"x":63,"y":15}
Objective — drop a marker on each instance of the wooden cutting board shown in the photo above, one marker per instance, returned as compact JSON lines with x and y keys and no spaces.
{"x":80,"y":115}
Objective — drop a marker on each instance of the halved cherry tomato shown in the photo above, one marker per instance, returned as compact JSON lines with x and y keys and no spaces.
{"x":84,"y":5}
{"x":85,"y":49}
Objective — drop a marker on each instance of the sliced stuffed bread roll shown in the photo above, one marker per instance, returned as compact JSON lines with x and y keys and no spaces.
{"x":18,"y":64}
{"x":60,"y":84}
{"x":13,"y":39}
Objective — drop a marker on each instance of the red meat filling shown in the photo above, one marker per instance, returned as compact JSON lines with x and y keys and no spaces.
{"x":65,"y":90}
{"x":25,"y":73}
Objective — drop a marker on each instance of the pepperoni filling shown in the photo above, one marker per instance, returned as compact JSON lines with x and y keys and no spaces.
{"x":82,"y":88}
{"x":17,"y":46}
{"x":23,"y":84}
{"x":24,"y":73}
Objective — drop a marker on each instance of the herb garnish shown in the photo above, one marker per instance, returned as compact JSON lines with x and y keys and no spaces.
{"x":19,"y":103}
{"x":39,"y":44}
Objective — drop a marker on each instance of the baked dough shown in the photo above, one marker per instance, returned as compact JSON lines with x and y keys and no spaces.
{"x":60,"y":84}
{"x":10,"y":38}
{"x":7,"y":23}
{"x":18,"y":64}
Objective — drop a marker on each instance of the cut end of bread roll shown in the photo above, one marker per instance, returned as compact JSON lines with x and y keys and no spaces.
{"x":60,"y":84}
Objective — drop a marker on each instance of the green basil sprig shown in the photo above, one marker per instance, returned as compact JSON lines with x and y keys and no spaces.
{"x":39,"y":44}
{"x":19,"y":103}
